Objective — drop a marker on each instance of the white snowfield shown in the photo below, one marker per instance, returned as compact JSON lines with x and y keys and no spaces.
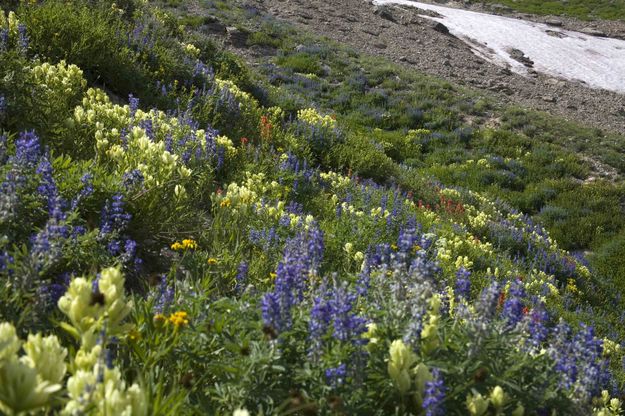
{"x":598,"y":62}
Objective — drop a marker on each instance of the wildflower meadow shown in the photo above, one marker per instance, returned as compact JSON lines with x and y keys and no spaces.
{"x":181,"y":234}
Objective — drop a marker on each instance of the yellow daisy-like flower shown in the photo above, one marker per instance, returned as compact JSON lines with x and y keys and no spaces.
{"x":176,"y":246}
{"x":179,"y":318}
{"x":187,"y":244}
{"x":225,"y":203}
{"x":394,"y":247}
{"x":416,"y":248}
{"x":212,"y":261}
{"x":273,"y":276}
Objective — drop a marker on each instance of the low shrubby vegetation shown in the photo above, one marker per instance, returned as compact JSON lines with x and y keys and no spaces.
{"x":180,"y":234}
{"x":581,"y":9}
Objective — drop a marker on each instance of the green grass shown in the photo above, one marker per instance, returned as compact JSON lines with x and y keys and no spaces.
{"x":582,"y":9}
{"x":536,"y":162}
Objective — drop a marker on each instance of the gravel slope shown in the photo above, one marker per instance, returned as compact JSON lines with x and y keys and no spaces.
{"x":402,"y":34}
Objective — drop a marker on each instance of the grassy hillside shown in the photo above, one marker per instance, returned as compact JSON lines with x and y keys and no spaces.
{"x":582,"y":9}
{"x":322,"y":233}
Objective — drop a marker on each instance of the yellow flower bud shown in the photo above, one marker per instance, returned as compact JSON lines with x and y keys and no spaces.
{"x":401,"y":359}
{"x":477,"y":404}
{"x":498,"y":398}
{"x":9,"y":343}
{"x":46,"y":356}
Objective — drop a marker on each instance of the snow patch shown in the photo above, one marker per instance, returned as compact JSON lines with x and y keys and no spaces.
{"x":595,"y":61}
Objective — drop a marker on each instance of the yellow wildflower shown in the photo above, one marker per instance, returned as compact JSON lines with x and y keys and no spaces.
{"x":225,"y":203}
{"x":394,"y":247}
{"x":189,"y":244}
{"x":273,"y":276}
{"x":212,"y":261}
{"x":179,"y":319}
{"x":186,"y":244}
{"x":416,"y":248}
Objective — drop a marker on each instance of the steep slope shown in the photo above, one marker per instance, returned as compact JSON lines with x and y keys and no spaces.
{"x":198,"y":239}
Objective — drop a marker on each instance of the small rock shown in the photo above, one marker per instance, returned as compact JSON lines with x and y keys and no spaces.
{"x":403,"y":59}
{"x":593,"y":31}
{"x":439,"y":27}
{"x":213,"y":26}
{"x":380,"y":45}
{"x":554,"y":22}
{"x":372,"y":32}
{"x":383,"y":12}
{"x":519,"y":56}
{"x":549,"y":98}
{"x":236,"y":36}
{"x":556,"y":34}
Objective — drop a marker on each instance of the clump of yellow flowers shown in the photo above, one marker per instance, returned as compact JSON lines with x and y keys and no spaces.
{"x":31,"y":381}
{"x":311,"y":116}
{"x":186,"y":244}
{"x":28,"y":382}
{"x":178,"y":319}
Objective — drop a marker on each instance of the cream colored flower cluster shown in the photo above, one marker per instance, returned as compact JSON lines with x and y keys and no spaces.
{"x":28,"y":382}
{"x":140,"y":151}
{"x":311,"y":116}
{"x":247,"y":104}
{"x":31,"y":382}
{"x":9,"y":22}
{"x":94,"y":388}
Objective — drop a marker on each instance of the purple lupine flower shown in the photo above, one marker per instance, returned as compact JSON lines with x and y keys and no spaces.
{"x":87,"y":190}
{"x":48,"y":188}
{"x":132,"y":178}
{"x":5,"y":261}
{"x":52,"y":292}
{"x":487,"y":305}
{"x":285,"y":220}
{"x":272,"y":311}
{"x":512,"y":310}
{"x":320,"y":317}
{"x":4,"y":39}
{"x":47,"y":244}
{"x":114,"y":247}
{"x":560,"y":352}
{"x":114,"y":218}
{"x":148,"y":126}
{"x":169,"y":141}
{"x":463,"y":284}
{"x":221,"y":154}
{"x":348,"y":326}
{"x":335,"y":377}
{"x":130,"y":253}
{"x":537,"y":327}
{"x":434,"y":395}
{"x":315,"y":245}
{"x":364,"y":279}
{"x":241,"y":277}
{"x":3,"y":149}
{"x":22,"y":37}
{"x":27,"y":149}
{"x":302,"y":256}
{"x":3,"y":105}
{"x":134,"y":104}
{"x":164,"y":296}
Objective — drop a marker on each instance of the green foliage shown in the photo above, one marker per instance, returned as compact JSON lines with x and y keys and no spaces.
{"x":582,"y":9}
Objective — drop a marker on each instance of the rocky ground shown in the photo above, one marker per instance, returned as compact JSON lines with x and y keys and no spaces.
{"x":400,"y":34}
